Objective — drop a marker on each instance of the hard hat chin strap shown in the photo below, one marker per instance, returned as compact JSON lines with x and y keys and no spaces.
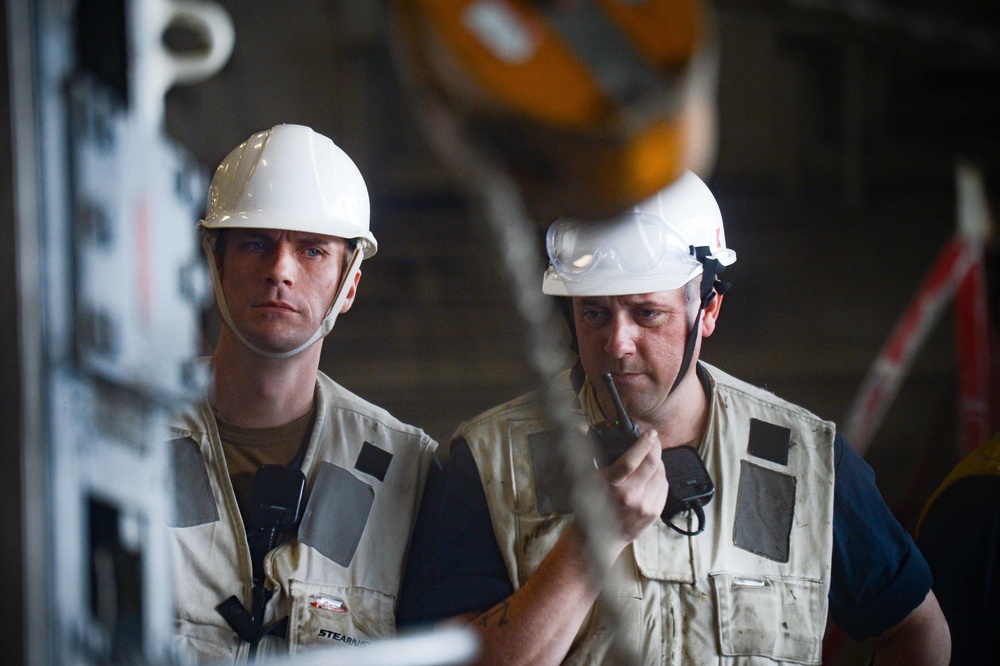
{"x":710,"y":285}
{"x":324,"y":328}
{"x":338,"y":303}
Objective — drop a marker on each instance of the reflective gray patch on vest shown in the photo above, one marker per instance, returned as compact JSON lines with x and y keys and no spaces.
{"x":194,"y":503}
{"x":336,"y":514}
{"x":769,"y":441}
{"x":764,"y":510}
{"x":552,"y":489}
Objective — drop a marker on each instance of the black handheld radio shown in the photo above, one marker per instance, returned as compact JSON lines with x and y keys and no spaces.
{"x":276,"y":500}
{"x":691,"y":487}
{"x":616,"y":435}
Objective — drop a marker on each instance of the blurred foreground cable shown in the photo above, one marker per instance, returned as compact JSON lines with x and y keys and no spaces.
{"x":450,"y":646}
{"x":516,"y":241}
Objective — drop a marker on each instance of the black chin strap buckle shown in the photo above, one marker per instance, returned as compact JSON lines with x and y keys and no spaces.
{"x":710,"y":282}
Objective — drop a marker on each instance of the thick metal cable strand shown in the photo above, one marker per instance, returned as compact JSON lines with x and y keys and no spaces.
{"x":518,"y":250}
{"x":515,"y":240}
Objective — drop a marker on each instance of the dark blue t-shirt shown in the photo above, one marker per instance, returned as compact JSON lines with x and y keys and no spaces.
{"x":455,"y":565}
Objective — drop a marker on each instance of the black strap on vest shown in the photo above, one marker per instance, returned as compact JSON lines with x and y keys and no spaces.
{"x":262,"y":535}
{"x":249,"y":625}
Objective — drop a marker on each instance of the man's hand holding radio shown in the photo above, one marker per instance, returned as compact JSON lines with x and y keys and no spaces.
{"x":638,"y":486}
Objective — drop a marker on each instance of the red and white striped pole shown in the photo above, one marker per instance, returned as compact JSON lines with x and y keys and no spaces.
{"x":973,"y":325}
{"x":958,"y":270}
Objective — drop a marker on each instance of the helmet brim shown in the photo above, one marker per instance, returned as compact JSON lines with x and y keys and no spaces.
{"x":302,"y":224}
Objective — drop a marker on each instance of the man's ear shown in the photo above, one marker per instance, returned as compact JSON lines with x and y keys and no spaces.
{"x":711,"y":315}
{"x":351,"y":293}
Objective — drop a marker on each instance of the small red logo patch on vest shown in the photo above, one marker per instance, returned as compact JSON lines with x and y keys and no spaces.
{"x":331,"y":604}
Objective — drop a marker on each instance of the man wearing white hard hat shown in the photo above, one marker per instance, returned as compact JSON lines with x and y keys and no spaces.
{"x":295,"y":497}
{"x":771,"y":524}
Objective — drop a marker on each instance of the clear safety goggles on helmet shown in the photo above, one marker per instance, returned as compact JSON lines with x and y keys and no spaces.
{"x":634,"y":244}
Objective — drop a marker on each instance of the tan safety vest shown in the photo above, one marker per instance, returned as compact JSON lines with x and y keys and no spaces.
{"x":752,"y":588}
{"x":337,"y":583}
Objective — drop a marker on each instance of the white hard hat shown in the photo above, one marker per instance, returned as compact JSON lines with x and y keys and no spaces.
{"x":290,"y":177}
{"x":659,"y":245}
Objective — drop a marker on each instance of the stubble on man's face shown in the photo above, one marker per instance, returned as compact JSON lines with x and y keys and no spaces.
{"x":640,"y":340}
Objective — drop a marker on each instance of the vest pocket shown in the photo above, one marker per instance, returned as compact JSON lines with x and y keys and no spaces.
{"x":334,"y":615}
{"x":781,"y":618}
{"x":213,"y":649}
